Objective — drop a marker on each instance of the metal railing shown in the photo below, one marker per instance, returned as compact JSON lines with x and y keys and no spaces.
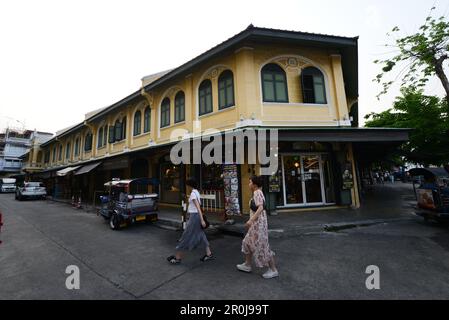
{"x":212,"y":200}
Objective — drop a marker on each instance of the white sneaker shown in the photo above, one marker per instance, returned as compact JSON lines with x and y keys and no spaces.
{"x":243,"y":267}
{"x":270,"y":274}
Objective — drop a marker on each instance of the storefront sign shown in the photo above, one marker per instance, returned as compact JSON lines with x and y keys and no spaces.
{"x":274,"y":183}
{"x":115,"y":164}
{"x":348,"y":181}
{"x":231,"y":189}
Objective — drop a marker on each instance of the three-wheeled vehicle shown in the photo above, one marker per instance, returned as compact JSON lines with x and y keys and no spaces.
{"x":128,"y":201}
{"x":432,"y":193}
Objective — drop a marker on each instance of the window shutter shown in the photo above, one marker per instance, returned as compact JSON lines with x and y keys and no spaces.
{"x":111,"y":134}
{"x":124,"y":128}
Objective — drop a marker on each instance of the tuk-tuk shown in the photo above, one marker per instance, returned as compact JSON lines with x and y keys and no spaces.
{"x":128,"y":201}
{"x":432,"y":193}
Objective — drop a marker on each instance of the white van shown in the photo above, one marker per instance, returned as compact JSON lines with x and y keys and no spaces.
{"x":7,"y":185}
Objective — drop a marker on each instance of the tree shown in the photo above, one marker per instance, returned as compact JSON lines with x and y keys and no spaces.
{"x":422,"y":55}
{"x":427,"y":116}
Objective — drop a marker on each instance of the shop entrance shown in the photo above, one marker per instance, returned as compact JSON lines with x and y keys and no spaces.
{"x":303,"y":182}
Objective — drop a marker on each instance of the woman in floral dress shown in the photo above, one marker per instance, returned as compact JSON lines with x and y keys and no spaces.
{"x":255,"y":245}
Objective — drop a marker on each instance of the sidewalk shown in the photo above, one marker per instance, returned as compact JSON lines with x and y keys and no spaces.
{"x":383,"y":203}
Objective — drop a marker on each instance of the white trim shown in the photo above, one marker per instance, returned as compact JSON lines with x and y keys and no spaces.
{"x":217,"y":112}
{"x":294,"y":104}
{"x":173,"y":125}
{"x":248,"y":122}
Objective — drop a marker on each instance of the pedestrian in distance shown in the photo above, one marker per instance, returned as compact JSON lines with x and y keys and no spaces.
{"x":193,"y":235}
{"x":255,"y":245}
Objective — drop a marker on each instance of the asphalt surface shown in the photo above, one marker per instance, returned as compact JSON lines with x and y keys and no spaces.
{"x":41,"y":238}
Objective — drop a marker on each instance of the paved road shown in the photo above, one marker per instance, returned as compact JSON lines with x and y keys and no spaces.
{"x":40,"y":239}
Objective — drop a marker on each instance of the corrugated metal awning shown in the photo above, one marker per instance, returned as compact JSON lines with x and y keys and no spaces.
{"x":63,"y":172}
{"x":87,"y":168}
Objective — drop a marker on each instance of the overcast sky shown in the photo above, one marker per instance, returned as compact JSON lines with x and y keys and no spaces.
{"x":61,"y":59}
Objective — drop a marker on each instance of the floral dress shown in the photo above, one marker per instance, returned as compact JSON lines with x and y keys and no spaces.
{"x":256,"y":239}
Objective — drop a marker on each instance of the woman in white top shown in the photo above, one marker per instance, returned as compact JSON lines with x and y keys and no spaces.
{"x":193,"y":235}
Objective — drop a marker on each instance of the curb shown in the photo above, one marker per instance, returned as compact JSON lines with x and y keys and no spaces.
{"x":239,"y":230}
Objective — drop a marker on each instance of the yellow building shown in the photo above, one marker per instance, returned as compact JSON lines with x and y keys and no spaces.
{"x":304,"y":85}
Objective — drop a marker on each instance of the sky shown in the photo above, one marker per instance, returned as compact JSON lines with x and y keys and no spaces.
{"x":62,"y":59}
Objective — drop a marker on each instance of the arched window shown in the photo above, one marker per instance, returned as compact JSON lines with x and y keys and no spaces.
{"x":124,"y":121}
{"x":165,"y":112}
{"x":117,"y":131}
{"x":179,"y":107}
{"x":313,"y":89}
{"x":67,"y":151}
{"x":274,"y":84}
{"x":88,"y":142}
{"x":147,"y":120}
{"x":100,"y":138}
{"x":60,"y":152}
{"x":105,"y":135}
{"x":54,"y":155}
{"x":205,"y":97}
{"x":77,"y":147}
{"x":47,"y":157}
{"x":225,"y":90}
{"x":137,"y":122}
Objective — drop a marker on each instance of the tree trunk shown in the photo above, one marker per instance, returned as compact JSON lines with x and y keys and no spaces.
{"x":441,"y":75}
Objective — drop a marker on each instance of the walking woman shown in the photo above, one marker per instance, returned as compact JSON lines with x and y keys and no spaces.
{"x":255,"y":245}
{"x":193,"y":235}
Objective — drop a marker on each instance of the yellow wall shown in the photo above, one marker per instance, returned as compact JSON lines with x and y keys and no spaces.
{"x":246,"y":64}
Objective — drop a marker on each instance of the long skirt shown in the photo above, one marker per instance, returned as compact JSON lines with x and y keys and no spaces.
{"x":256,"y":242}
{"x":193,"y":235}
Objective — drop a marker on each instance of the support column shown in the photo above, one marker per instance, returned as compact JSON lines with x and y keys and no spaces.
{"x":245,"y":85}
{"x":341,"y":105}
{"x":355,"y":203}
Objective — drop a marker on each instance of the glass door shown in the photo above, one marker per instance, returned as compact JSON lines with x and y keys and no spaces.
{"x":312,"y":180}
{"x":292,"y":173}
{"x":303,"y":181}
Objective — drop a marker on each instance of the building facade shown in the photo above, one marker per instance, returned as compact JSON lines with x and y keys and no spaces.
{"x":304,"y":85}
{"x":14,"y":144}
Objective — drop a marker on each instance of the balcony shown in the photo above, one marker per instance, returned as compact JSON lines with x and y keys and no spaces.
{"x":34,"y":166}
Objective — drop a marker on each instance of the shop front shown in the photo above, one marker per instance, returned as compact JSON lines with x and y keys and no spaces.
{"x":307,"y":179}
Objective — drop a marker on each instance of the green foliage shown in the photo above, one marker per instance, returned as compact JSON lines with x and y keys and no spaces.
{"x":421,"y":56}
{"x":427,"y":115}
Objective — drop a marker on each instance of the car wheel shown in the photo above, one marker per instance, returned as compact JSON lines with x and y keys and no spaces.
{"x":115,"y":222}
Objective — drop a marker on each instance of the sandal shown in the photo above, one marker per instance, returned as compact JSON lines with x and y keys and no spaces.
{"x":207,"y":258}
{"x":173,"y":260}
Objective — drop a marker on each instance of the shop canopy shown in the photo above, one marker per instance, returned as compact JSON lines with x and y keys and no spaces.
{"x":429,"y":172}
{"x":87,"y":168}
{"x":65,"y":171}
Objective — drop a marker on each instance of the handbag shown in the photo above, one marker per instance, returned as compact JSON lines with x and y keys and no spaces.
{"x":206,"y":221}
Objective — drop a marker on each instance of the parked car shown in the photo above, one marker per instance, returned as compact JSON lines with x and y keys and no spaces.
{"x":31,"y":190}
{"x":7,"y":185}
{"x":128,"y":201}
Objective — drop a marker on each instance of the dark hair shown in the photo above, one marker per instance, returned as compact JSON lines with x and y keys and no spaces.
{"x":257,"y":180}
{"x":192,"y":183}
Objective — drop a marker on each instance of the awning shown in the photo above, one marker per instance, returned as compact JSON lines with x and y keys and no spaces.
{"x":345,"y":134}
{"x":63,"y":172}
{"x":87,"y":168}
{"x":429,"y":172}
